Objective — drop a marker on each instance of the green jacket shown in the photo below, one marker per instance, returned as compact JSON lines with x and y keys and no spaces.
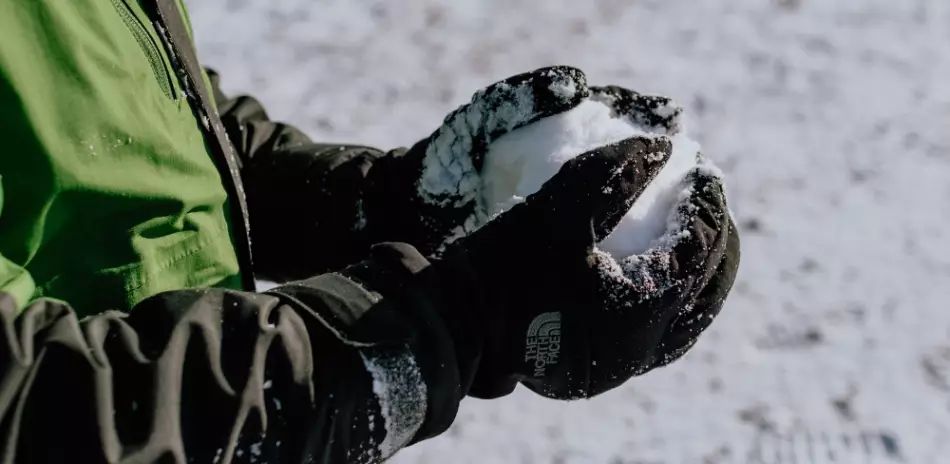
{"x":108,"y":193}
{"x":131,"y":183}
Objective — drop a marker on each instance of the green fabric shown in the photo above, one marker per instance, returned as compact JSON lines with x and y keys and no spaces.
{"x":109,"y":194}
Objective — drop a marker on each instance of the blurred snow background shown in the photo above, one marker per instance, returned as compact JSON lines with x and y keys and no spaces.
{"x":831,"y":119}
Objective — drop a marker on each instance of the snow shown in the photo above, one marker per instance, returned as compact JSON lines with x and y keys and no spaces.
{"x":518,"y":163}
{"x":401,"y":392}
{"x":652,"y":215}
{"x":448,"y":176}
{"x":829,"y":121}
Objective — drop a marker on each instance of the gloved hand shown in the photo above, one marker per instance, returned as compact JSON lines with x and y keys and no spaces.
{"x":655,"y":113}
{"x":430,"y":195}
{"x":569,"y":321}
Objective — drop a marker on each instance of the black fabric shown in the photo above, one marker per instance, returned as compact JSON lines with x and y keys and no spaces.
{"x":455,"y":333}
{"x":225,"y":376}
{"x":395,"y":210}
{"x":604,"y":322}
{"x":304,"y":199}
{"x":342,"y":198}
{"x":535,"y":257}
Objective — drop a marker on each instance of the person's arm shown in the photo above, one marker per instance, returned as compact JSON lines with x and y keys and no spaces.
{"x":318,"y":187}
{"x":343,"y":367}
{"x":333,"y":201}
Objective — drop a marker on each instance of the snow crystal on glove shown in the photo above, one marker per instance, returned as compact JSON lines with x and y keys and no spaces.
{"x":449,"y":176}
{"x":401,"y":393}
{"x":653,"y":214}
{"x":650,"y":273}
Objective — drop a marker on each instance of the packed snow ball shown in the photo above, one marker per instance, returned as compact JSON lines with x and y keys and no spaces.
{"x":518,"y":163}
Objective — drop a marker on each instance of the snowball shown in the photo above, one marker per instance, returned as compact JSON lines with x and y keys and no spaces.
{"x":518,"y":163}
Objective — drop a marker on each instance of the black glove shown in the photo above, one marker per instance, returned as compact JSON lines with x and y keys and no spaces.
{"x":569,"y":321}
{"x":430,"y":195}
{"x":655,"y":113}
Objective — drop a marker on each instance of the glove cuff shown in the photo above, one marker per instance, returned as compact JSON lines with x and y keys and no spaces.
{"x":443,"y":301}
{"x":494,"y":375}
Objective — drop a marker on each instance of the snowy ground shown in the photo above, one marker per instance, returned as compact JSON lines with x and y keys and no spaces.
{"x":831,"y":119}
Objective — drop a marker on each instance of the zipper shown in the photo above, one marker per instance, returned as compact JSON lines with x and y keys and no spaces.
{"x":147,"y":45}
{"x":173,"y":33}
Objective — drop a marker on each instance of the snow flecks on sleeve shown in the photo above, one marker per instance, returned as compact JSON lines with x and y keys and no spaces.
{"x":402,"y":395}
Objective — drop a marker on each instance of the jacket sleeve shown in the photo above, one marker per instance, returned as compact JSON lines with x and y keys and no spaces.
{"x":315,"y":191}
{"x":344,"y":367}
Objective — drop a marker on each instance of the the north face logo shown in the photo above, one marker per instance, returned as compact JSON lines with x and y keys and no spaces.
{"x":543,"y":343}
